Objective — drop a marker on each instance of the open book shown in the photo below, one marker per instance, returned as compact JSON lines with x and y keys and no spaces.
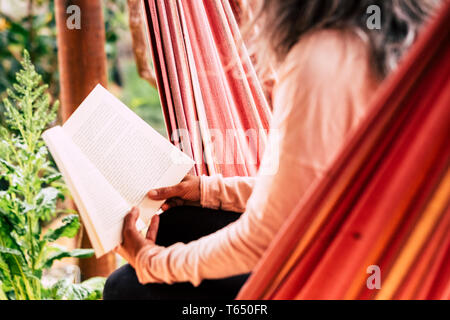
{"x":110,"y":158}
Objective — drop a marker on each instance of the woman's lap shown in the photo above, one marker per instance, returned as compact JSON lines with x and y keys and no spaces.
{"x":180,"y":224}
{"x":124,"y":285}
{"x":185,"y":224}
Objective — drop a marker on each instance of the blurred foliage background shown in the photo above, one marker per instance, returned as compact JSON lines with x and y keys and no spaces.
{"x":30,"y":24}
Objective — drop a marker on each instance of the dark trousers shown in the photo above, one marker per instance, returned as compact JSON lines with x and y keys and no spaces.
{"x":179,"y":224}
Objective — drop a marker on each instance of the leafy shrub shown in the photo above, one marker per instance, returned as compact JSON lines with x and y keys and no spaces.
{"x":30,"y":187}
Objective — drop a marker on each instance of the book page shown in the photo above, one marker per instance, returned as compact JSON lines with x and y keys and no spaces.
{"x":101,"y":207}
{"x":131,"y":155}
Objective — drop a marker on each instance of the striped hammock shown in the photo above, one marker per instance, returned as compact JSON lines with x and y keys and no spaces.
{"x":383,"y":206}
{"x":214,"y":107}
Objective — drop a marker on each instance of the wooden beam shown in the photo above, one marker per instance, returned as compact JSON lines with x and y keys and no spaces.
{"x":140,"y":44}
{"x":82,"y":65}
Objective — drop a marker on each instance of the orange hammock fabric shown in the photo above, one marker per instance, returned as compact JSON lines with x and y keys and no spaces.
{"x":211,"y":98}
{"x":384,"y":203}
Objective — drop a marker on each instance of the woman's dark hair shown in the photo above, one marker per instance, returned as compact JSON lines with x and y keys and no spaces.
{"x":281,"y":23}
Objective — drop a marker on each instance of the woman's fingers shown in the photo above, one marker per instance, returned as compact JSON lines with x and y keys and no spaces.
{"x":119,"y":250}
{"x":131,"y":219}
{"x":171,"y":203}
{"x":153,"y":228}
{"x":166,"y":206}
{"x":165,"y":193}
{"x":188,"y":189}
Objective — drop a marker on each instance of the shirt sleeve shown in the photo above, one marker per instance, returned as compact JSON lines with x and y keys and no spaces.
{"x":312,"y":119}
{"x":230,"y":194}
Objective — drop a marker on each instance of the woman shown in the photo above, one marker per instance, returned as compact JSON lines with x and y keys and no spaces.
{"x":329,"y":61}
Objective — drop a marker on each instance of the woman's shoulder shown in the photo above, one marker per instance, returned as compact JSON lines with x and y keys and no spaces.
{"x":325,"y":55}
{"x":326,"y":75}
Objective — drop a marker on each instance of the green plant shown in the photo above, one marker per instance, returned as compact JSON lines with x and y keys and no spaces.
{"x":31,"y":187}
{"x":141,"y":97}
{"x":33,"y":29}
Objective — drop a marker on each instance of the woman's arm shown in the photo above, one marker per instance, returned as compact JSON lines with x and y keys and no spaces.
{"x":230,"y":194}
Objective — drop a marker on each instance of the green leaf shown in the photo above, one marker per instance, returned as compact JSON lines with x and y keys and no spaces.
{"x":95,"y":286}
{"x":15,"y":261}
{"x":89,"y":290}
{"x":8,"y":166}
{"x":69,"y":229}
{"x":10,"y":251}
{"x":58,"y":290}
{"x":51,"y":178}
{"x":2,"y":293}
{"x":46,"y":202}
{"x":47,"y":196}
{"x":4,"y":268}
{"x":59,"y":252}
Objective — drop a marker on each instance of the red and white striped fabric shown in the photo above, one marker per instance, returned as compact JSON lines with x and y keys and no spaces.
{"x":214,"y":107}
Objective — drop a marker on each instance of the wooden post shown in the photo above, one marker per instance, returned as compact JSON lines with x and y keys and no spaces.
{"x":140,"y":44}
{"x":82,"y":65}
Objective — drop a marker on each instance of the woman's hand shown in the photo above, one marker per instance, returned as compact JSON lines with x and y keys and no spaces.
{"x":186,"y":192}
{"x":132,"y":240}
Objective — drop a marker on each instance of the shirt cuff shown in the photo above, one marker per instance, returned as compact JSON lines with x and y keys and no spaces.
{"x":209,"y":192}
{"x":143,"y":264}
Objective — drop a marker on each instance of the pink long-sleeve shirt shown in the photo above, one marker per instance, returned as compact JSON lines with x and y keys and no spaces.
{"x":322,"y":92}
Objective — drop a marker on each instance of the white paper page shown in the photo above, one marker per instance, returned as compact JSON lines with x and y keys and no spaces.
{"x":131,"y":155}
{"x":101,"y":207}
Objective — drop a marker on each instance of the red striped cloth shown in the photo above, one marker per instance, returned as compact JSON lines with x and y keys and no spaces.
{"x":214,"y":107}
{"x":384,"y":203}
